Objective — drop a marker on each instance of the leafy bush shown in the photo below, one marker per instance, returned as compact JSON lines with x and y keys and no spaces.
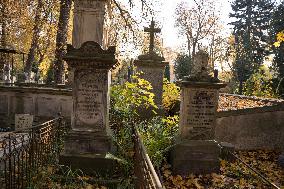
{"x":171,"y":95}
{"x":127,"y":98}
{"x":260,"y":84}
{"x":158,"y":136}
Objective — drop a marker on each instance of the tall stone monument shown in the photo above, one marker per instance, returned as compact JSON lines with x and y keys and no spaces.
{"x":88,"y":25}
{"x":197,"y":151}
{"x":152,"y":66}
{"x":89,"y":141}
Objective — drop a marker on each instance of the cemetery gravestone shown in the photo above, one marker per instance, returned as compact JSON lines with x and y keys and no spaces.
{"x":89,"y":141}
{"x":7,"y":73}
{"x":197,"y":151}
{"x":151,"y":66}
{"x":23,"y":121}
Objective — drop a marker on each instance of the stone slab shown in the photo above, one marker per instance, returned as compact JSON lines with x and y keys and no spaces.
{"x":198,"y":113}
{"x":97,"y":164}
{"x":23,"y":121}
{"x":82,"y":142}
{"x":195,"y":156}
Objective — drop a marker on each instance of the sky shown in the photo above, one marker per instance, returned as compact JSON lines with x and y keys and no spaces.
{"x":166,"y":19}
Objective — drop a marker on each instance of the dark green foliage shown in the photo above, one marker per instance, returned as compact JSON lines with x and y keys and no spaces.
{"x":183,"y":66}
{"x":277,"y":25}
{"x":167,"y":74}
{"x":251,"y":36}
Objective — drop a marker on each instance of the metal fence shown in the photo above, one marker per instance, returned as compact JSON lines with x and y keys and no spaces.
{"x":145,"y":174}
{"x":24,"y":152}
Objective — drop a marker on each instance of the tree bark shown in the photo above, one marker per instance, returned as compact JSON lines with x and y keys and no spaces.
{"x":35,"y":38}
{"x":61,"y":40}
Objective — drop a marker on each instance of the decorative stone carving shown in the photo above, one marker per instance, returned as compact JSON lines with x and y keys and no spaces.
{"x":200,"y":71}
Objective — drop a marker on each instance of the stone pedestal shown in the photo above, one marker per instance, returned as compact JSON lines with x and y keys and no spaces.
{"x":89,"y":140}
{"x":152,"y":69}
{"x":196,"y":156}
{"x":197,"y":152}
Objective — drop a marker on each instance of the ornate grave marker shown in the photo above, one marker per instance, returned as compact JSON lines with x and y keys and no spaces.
{"x":197,"y":152}
{"x":90,"y":141}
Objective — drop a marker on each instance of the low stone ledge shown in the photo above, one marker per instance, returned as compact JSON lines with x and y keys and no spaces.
{"x":37,"y":90}
{"x":255,"y":110}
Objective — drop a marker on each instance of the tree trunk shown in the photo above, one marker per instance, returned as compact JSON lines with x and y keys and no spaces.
{"x":35,"y":38}
{"x":61,"y":40}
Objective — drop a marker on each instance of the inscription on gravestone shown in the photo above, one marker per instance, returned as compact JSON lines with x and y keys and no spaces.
{"x":89,"y":102}
{"x":198,"y":113}
{"x":23,"y":121}
{"x":201,"y":108}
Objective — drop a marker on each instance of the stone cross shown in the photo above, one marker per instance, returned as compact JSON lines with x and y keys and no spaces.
{"x":152,"y":30}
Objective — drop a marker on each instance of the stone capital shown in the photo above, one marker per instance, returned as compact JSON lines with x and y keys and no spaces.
{"x":90,"y":56}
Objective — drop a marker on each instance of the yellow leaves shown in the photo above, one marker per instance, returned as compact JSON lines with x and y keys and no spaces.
{"x":233,"y":175}
{"x":167,"y":173}
{"x":277,"y":44}
{"x":279,"y":38}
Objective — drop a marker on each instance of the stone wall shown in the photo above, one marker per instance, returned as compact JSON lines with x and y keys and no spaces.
{"x":43,"y":103}
{"x":253,"y":128}
{"x":250,"y":128}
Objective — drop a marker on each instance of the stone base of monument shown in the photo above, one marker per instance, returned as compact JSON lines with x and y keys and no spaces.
{"x":95,"y":164}
{"x":87,"y":151}
{"x":227,"y":151}
{"x":196,"y":157}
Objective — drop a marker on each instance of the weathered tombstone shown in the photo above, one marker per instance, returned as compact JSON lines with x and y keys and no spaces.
{"x":88,"y":25}
{"x":7,"y":73}
{"x":23,"y":121}
{"x":151,"y":66}
{"x":89,"y":141}
{"x":197,"y":151}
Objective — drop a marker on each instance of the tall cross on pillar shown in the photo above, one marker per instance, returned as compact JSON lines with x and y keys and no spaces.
{"x":152,"y":30}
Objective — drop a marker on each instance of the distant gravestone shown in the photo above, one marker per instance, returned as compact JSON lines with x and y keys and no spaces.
{"x":197,"y":152}
{"x":7,"y":73}
{"x":23,"y":121}
{"x":151,"y":66}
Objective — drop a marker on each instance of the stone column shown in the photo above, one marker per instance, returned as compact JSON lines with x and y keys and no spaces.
{"x":197,"y":151}
{"x":89,"y":140}
{"x":88,"y":21}
{"x":152,"y":69}
{"x":88,"y":25}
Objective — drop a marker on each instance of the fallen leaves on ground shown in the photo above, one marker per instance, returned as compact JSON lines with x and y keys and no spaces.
{"x":232,"y":175}
{"x":227,"y":103}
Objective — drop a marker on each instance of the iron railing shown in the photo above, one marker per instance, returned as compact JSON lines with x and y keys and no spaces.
{"x":23,"y":153}
{"x":145,"y":174}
